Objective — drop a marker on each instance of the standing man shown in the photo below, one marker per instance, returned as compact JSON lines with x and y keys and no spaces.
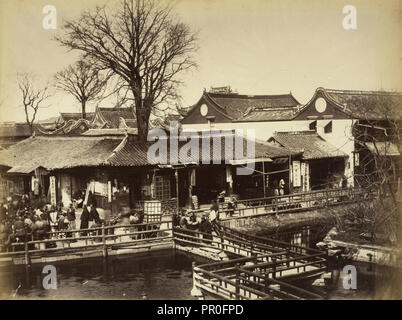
{"x":71,"y":220}
{"x":71,"y":217}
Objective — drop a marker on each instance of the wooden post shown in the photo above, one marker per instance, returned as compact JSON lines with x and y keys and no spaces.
{"x":27,"y":257}
{"x":290,"y":175}
{"x":221,"y":241}
{"x":266,"y":280}
{"x":237,"y":281}
{"x":274,"y":268}
{"x":176,"y":174}
{"x":104,"y":241}
{"x":276,"y":205}
{"x":263,"y":178}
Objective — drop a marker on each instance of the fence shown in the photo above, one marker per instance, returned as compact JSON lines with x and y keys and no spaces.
{"x":101,"y":238}
{"x":261,"y":269}
{"x":295,"y":202}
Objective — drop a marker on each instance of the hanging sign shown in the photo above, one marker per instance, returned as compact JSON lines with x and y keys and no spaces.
{"x":52,"y":188}
{"x":109,"y":191}
{"x":192,"y":177}
{"x":296,"y":174}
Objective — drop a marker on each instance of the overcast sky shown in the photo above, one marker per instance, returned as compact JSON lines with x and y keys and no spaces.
{"x":255,"y":46}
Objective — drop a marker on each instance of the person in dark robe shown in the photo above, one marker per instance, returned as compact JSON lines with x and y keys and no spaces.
{"x":94,"y":215}
{"x":206,"y":227}
{"x":19,"y":230}
{"x":84,"y":220}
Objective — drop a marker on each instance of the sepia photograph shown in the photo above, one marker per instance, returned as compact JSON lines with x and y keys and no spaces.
{"x":200,"y":150}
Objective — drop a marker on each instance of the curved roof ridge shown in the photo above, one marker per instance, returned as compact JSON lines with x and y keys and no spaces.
{"x":119,"y":147}
{"x":360,"y":91}
{"x":223,"y":110}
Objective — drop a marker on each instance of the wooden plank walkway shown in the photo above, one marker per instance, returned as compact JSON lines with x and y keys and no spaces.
{"x":258,"y":268}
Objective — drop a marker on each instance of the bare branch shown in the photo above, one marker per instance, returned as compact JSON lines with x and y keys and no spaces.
{"x":84,"y":81}
{"x":144,"y":44}
{"x":32,"y":98}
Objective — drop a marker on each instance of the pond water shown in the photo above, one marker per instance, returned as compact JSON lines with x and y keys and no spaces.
{"x":161,"y":275}
{"x":166,"y":275}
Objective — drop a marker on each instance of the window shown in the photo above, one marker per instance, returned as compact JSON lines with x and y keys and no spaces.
{"x":162,"y":187}
{"x":328,"y":127}
{"x":313,"y":125}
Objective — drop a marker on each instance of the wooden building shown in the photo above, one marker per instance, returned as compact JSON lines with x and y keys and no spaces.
{"x":117,"y":170}
{"x":337,"y":116}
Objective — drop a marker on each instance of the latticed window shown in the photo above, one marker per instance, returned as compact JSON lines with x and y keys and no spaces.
{"x":162,"y":187}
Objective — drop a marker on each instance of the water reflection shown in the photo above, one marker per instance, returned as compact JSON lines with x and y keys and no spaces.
{"x":160,"y":275}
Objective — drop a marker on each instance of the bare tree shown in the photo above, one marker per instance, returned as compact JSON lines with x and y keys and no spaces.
{"x":32,"y":98}
{"x":379,"y":128}
{"x":84,"y":81}
{"x":377,"y":168}
{"x":143,"y":43}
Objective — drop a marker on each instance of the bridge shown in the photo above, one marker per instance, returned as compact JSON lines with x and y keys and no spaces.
{"x":244,"y":266}
{"x":253,"y":267}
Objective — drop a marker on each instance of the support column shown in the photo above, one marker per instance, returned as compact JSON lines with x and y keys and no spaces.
{"x":176,"y":174}
{"x":263,"y":178}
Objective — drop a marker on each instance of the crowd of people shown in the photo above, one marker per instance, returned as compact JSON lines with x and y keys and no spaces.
{"x":29,"y":219}
{"x":205,"y":222}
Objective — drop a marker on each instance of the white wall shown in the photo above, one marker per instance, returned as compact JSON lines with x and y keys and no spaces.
{"x":341,"y":137}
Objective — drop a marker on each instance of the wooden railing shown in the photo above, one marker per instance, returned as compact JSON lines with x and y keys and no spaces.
{"x":102,"y":238}
{"x":261,"y":273}
{"x":298,"y":249}
{"x":295,"y":202}
{"x":243,"y":282}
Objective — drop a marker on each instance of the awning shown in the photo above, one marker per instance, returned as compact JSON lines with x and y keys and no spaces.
{"x":245,"y":161}
{"x":385,"y":148}
{"x":281,"y":160}
{"x":177,"y":166}
{"x":24,"y":169}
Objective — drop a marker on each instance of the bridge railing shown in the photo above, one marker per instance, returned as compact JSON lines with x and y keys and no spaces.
{"x":226,"y":244}
{"x":224,"y":287}
{"x":105,"y":236}
{"x":249,"y":278}
{"x":295,"y":202}
{"x":236,"y":234}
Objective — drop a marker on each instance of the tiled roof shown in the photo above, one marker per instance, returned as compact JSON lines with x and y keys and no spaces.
{"x":65,"y":116}
{"x":15,"y":130}
{"x":110,"y":132}
{"x":130,"y":123}
{"x":236,"y":106}
{"x":310,"y":143}
{"x":383,"y":148}
{"x":58,"y":152}
{"x":270,"y":115}
{"x":112,"y":115}
{"x":370,"y":105}
{"x":61,"y":152}
{"x":131,"y":154}
{"x":134,"y":153}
